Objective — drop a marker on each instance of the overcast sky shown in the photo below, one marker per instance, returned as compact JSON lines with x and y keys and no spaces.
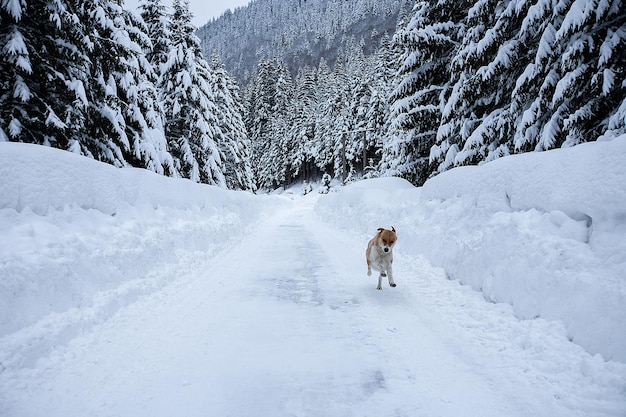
{"x":202,"y":10}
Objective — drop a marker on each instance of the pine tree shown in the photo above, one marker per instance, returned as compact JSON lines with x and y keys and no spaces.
{"x":332,"y":120}
{"x":477,"y":119}
{"x":358,"y":112}
{"x":42,"y":72}
{"x":301,"y":135}
{"x":573,"y":88}
{"x":235,"y":145}
{"x":378,"y":112}
{"x":155,"y":16}
{"x":144,"y":112}
{"x":111,"y":81}
{"x":327,"y":105}
{"x":429,"y":41}
{"x":283,"y":116}
{"x":357,"y":92}
{"x":259,"y":123}
{"x":593,"y":67}
{"x":190,"y":111}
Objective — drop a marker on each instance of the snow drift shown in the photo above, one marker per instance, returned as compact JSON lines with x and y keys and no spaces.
{"x":79,"y":234}
{"x":544,"y":232}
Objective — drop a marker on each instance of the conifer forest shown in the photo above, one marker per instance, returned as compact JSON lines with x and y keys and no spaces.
{"x":283,"y":91}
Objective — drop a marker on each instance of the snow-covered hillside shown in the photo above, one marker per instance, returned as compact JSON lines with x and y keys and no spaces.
{"x":123,"y":292}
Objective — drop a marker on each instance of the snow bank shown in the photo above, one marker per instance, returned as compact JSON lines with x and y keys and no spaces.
{"x":544,"y":232}
{"x":41,"y":178}
{"x":79,"y":237}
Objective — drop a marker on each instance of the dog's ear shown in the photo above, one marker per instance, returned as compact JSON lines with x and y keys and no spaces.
{"x":393,"y":230}
{"x":380,"y":229}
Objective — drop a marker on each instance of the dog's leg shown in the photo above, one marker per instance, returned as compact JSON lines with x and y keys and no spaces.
{"x":390,"y":275}
{"x":380,"y":282}
{"x":369,"y":263}
{"x":382,"y":269}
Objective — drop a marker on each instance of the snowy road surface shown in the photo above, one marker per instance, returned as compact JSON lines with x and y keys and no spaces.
{"x":285,"y":322}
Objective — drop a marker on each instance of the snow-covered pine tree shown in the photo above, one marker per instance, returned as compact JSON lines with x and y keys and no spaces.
{"x":405,"y":14}
{"x":42,"y":69}
{"x":261,"y":102}
{"x":260,"y":123}
{"x":358,"y":111}
{"x":534,"y":87}
{"x":378,"y":112}
{"x":156,"y":19}
{"x":358,"y":79}
{"x":329,"y":99}
{"x":280,"y":156}
{"x":189,"y":104}
{"x":249,"y":94}
{"x":143,"y":112}
{"x":301,"y":134}
{"x":614,"y":77}
{"x":111,"y":81}
{"x":592,"y":86}
{"x":334,"y":121}
{"x":573,"y":88}
{"x":429,"y":42}
{"x":476,"y":118}
{"x":235,"y":144}
{"x":596,"y":43}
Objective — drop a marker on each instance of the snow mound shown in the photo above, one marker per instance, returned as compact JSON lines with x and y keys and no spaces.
{"x":81,"y":239}
{"x":544,"y":232}
{"x":43,"y":178}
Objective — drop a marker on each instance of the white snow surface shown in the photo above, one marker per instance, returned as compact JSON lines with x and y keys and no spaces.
{"x":125,"y":293}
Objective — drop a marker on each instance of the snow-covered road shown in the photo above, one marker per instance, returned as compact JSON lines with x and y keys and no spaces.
{"x":285,"y":322}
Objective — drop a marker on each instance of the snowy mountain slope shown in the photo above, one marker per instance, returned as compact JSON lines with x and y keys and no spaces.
{"x":221,"y":303}
{"x":298,"y":34}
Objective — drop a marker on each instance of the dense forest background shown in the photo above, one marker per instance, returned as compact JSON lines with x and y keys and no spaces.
{"x":279,"y":91}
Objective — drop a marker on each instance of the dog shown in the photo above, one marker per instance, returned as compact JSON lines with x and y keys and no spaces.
{"x":379,"y":255}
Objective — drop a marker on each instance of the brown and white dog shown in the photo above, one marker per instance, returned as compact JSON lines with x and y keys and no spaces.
{"x":379,"y":255}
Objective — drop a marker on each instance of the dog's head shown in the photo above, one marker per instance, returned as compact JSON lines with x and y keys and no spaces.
{"x":386,"y":239}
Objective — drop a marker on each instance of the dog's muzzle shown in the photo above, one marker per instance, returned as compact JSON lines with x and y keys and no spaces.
{"x":386,"y":249}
